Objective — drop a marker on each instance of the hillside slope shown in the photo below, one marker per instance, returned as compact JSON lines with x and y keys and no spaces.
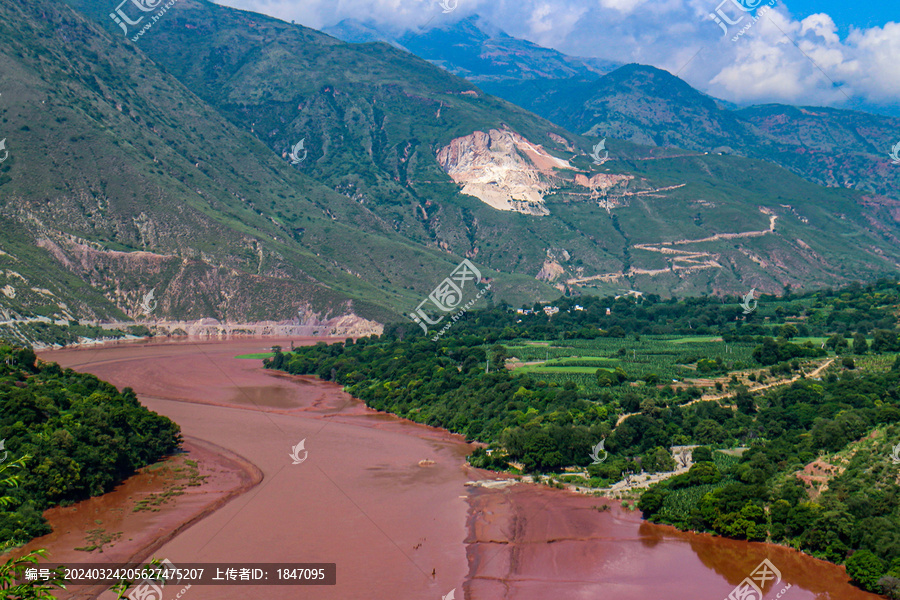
{"x":120,"y":182}
{"x":639,"y":103}
{"x":166,"y":166}
{"x":831,"y":147}
{"x":645,"y":105}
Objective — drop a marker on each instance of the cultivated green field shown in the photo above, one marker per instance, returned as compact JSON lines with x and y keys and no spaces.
{"x":552,"y":369}
{"x":668,"y":357}
{"x":256,"y":356}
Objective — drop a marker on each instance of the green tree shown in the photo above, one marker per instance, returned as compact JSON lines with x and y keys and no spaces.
{"x":610,"y":378}
{"x":778,"y":513}
{"x":884,"y":340}
{"x":860,"y":345}
{"x":768,"y":353}
{"x":658,"y":460}
{"x":705,"y":365}
{"x":703,"y":473}
{"x":652,"y":500}
{"x":890,"y":587}
{"x":788,"y":332}
{"x":701,"y":454}
{"x":865,"y":569}
{"x":14,"y":569}
{"x":837,"y":343}
{"x":710,"y":432}
{"x":744,"y":402}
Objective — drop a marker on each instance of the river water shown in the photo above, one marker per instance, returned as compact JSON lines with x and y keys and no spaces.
{"x":387,"y":501}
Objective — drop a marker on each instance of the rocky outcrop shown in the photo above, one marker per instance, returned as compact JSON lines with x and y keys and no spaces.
{"x":172,"y":294}
{"x":551,"y":271}
{"x":502,"y":169}
{"x":552,"y":268}
{"x":508,"y":172}
{"x":340,"y":327}
{"x":601,"y":181}
{"x":345,"y":325}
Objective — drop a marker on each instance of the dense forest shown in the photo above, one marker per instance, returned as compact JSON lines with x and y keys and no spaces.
{"x":545,"y":422}
{"x":842,"y":428}
{"x":79,"y":437}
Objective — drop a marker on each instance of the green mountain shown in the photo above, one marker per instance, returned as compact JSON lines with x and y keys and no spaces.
{"x":645,"y":105}
{"x":831,"y":147}
{"x":376,"y":119}
{"x":170,"y":161}
{"x":120,"y":181}
{"x":642,"y":104}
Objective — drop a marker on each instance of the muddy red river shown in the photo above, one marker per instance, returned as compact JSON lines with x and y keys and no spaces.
{"x":387,"y":501}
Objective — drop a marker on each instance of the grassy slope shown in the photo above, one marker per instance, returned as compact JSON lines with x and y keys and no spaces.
{"x":827,"y":146}
{"x":134,"y":161}
{"x":368,"y":114}
{"x":129,"y":160}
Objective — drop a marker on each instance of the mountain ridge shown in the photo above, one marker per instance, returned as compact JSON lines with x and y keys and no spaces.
{"x":159,"y":194}
{"x":476,"y":50}
{"x":365,"y":81}
{"x":165,"y":167}
{"x":647,"y":105}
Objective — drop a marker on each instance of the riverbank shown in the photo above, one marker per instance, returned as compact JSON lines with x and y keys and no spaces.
{"x":144,"y":512}
{"x":54,"y":335}
{"x":387,"y":500}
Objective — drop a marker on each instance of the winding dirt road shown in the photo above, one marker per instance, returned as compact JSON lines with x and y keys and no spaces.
{"x":711,"y":398}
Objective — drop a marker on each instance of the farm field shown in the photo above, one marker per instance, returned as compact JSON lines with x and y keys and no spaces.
{"x":667,"y":357}
{"x":255,"y":356}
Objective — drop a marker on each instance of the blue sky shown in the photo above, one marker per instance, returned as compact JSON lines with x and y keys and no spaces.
{"x":822,"y":53}
{"x":864,"y":14}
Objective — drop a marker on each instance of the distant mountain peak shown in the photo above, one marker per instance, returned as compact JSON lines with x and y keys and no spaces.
{"x":354,"y":31}
{"x":477,"y":49}
{"x":478,"y":23}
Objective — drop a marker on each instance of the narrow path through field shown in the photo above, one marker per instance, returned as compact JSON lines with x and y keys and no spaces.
{"x":767,"y":386}
{"x":711,"y":398}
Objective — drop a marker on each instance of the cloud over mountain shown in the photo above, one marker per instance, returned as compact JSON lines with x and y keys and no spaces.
{"x":778,"y":58}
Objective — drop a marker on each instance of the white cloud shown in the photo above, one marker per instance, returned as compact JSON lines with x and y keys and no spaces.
{"x":876,"y":68}
{"x":623,"y":6}
{"x":321,"y":13}
{"x":822,"y":25}
{"x":552,"y":22}
{"x":764,"y":71}
{"x":541,"y":21}
{"x":784,"y":60}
